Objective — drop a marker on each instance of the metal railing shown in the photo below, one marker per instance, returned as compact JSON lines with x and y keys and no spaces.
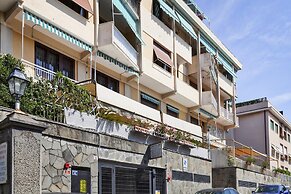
{"x":38,"y":72}
{"x":226,"y":114}
{"x":240,"y":152}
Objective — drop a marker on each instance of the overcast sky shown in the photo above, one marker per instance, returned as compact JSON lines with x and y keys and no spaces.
{"x":258,"y":33}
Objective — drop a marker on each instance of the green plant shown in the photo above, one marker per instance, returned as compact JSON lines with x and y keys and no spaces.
{"x":265,"y":164}
{"x":7,"y":64}
{"x":230,"y":160}
{"x":250,"y":160}
{"x":282,"y":171}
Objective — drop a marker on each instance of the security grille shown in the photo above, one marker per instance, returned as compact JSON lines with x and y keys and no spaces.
{"x":125,"y":180}
{"x":106,"y":180}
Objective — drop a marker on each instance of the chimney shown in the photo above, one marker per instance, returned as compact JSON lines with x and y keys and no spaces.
{"x":282,"y":113}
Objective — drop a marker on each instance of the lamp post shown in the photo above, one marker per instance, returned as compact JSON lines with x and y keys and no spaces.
{"x":17,"y":82}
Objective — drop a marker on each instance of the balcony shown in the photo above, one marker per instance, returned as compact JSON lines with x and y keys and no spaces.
{"x":37,"y":72}
{"x":226,"y":117}
{"x":113,"y":43}
{"x":182,"y":125}
{"x":156,"y":29}
{"x":6,"y":4}
{"x":55,"y":19}
{"x":225,"y":84}
{"x":186,"y":94}
{"x":209,"y":103}
{"x":113,"y":98}
{"x":122,"y":102}
{"x":183,"y":49}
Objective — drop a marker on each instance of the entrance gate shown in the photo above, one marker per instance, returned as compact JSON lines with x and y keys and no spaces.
{"x":116,"y":179}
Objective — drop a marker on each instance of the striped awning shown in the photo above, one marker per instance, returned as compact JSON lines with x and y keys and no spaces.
{"x":55,"y":30}
{"x":132,"y":22}
{"x":177,"y":17}
{"x":115,"y":62}
{"x":149,"y":98}
{"x":168,"y":10}
{"x":161,"y":55}
{"x":209,"y":47}
{"x":173,"y":109}
{"x":186,"y":25}
{"x":226,"y":65}
{"x":84,"y":4}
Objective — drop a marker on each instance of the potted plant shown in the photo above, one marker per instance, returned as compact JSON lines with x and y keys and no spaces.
{"x":230,"y":160}
{"x":250,"y":160}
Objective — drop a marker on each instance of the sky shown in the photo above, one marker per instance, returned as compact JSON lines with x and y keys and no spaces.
{"x":258,"y":33}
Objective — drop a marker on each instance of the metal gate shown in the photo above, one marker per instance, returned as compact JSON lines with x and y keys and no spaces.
{"x":114,"y":179}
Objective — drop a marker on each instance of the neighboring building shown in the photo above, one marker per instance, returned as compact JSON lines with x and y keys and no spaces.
{"x":266,"y":130}
{"x":152,"y":58}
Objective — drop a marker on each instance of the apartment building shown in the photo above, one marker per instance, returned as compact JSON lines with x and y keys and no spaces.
{"x":153,"y":58}
{"x":147,"y":51}
{"x":266,"y":130}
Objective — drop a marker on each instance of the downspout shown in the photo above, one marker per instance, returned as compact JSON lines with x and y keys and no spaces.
{"x":173,"y":92}
{"x":199,"y":77}
{"x":96,"y":23}
{"x":235,"y":124}
{"x":22,"y":35}
{"x":217,"y":86}
{"x":95,"y":47}
{"x":174,"y":58}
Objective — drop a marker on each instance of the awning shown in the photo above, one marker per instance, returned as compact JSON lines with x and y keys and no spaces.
{"x":55,"y":30}
{"x":84,"y":4}
{"x":149,"y":98}
{"x":168,"y":10}
{"x":177,"y":17}
{"x":186,"y":25}
{"x":173,"y":109}
{"x":114,"y":61}
{"x":209,"y":47}
{"x":132,"y":22}
{"x":226,"y":65}
{"x":161,"y":55}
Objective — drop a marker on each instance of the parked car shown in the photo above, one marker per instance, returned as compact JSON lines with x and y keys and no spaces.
{"x":218,"y":191}
{"x":273,"y":189}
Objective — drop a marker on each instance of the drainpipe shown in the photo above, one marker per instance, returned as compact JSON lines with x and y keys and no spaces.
{"x":96,"y":22}
{"x":199,"y":74}
{"x":22,"y":35}
{"x":217,"y":89}
{"x":173,"y":92}
{"x":233,"y":107}
{"x":174,"y":58}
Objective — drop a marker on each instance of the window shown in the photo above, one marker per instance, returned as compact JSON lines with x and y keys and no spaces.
{"x":162,"y":57}
{"x":53,"y":61}
{"x":81,"y":10}
{"x":273,"y":152}
{"x":172,"y":111}
{"x":285,"y":135}
{"x":162,"y":16}
{"x":288,"y":138}
{"x":106,"y":81}
{"x":194,"y":121}
{"x":285,"y":150}
{"x":272,"y":125}
{"x":276,"y":128}
{"x":150,"y":101}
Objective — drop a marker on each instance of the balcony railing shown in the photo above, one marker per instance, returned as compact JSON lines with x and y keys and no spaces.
{"x":209,"y":102}
{"x":38,"y":72}
{"x":112,"y":40}
{"x":226,"y":114}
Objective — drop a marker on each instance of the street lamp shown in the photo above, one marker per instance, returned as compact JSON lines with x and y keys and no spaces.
{"x":17,"y":82}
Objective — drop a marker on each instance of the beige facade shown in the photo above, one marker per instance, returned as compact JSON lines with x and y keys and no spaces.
{"x":266,"y":130}
{"x":149,"y":52}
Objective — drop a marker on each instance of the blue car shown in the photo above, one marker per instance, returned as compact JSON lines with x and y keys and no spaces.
{"x":271,"y":189}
